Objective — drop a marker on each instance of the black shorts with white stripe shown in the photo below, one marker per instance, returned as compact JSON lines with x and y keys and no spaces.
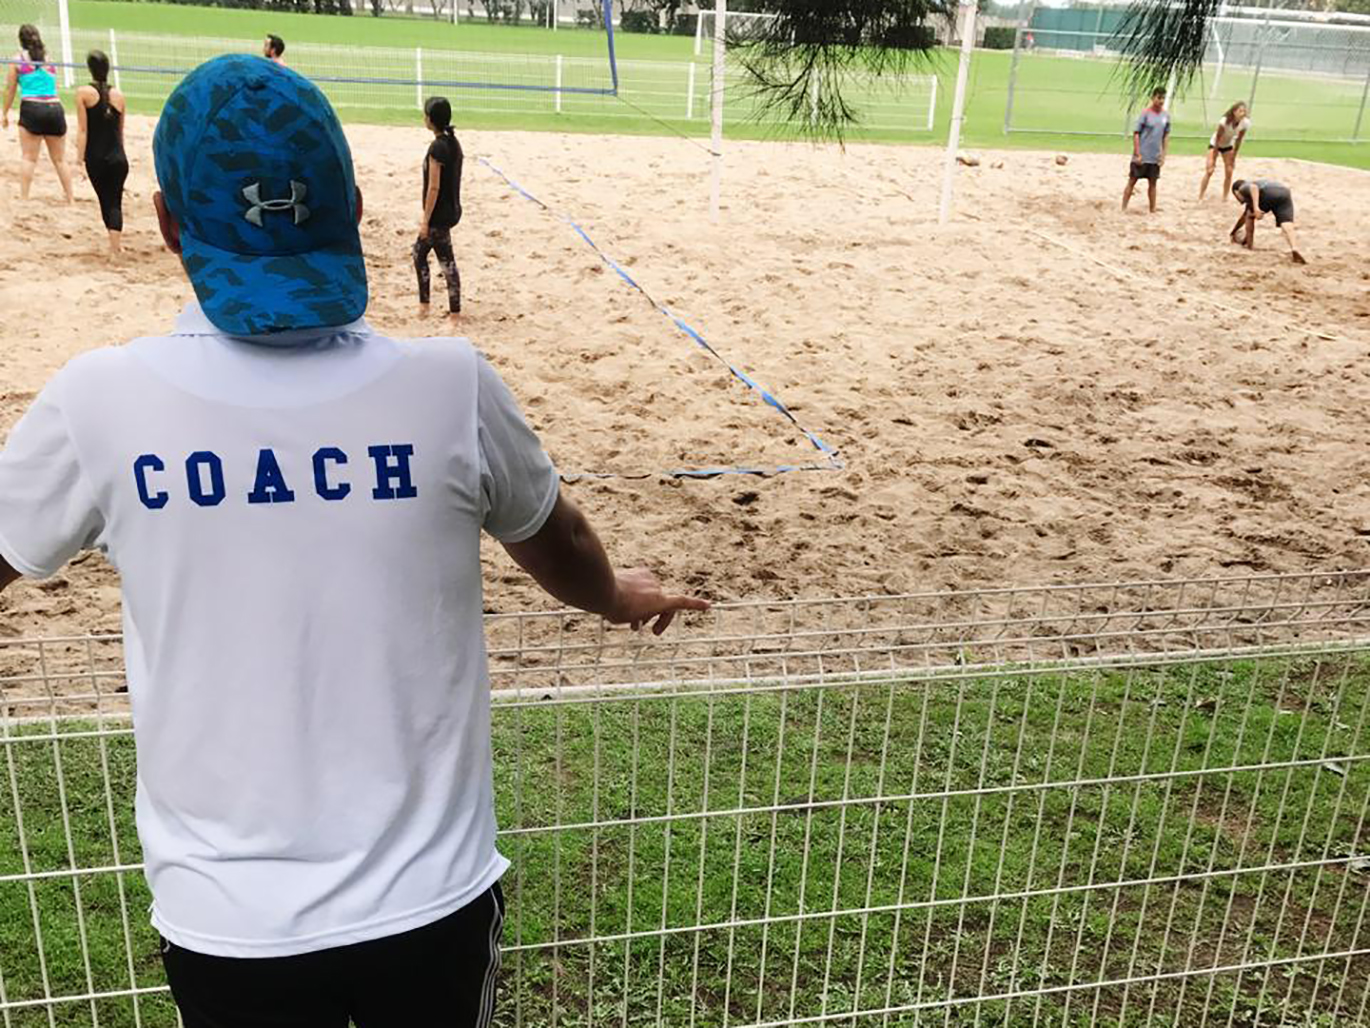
{"x":442,"y":974}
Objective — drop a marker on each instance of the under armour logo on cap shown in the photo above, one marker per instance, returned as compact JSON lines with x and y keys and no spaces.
{"x":253,"y":195}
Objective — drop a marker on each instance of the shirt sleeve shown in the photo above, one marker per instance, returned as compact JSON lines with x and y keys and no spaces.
{"x":519,"y":484}
{"x":48,"y":512}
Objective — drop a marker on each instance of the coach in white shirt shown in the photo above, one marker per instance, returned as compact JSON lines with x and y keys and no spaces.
{"x":294,"y":504}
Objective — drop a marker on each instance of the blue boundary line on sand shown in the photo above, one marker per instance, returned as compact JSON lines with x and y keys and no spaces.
{"x":833,"y":461}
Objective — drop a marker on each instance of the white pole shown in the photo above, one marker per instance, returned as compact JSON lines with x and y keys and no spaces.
{"x":114,"y":60}
{"x":932,"y":106}
{"x":1222,"y":53}
{"x":64,"y":20}
{"x":699,"y":33}
{"x":556,"y":14}
{"x":958,"y":107}
{"x":720,"y":80}
{"x":690,"y":94}
{"x":558,"y":83}
{"x":454,"y":12}
{"x":418,"y":76}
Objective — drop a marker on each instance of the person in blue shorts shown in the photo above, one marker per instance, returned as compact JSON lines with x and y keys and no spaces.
{"x":1150,"y":144}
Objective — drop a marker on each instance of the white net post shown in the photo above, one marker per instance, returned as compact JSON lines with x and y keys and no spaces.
{"x":699,"y":33}
{"x":720,"y":78}
{"x":114,"y":60}
{"x":932,"y":105}
{"x":690,"y":93}
{"x":958,"y":108}
{"x":559,"y":79}
{"x":64,"y":20}
{"x":418,"y":77}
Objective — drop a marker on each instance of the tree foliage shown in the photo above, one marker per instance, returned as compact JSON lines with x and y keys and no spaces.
{"x":801,"y":60}
{"x":1163,"y":41}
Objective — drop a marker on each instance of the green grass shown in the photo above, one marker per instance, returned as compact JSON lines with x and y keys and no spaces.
{"x":688,"y":755}
{"x":1053,"y":93}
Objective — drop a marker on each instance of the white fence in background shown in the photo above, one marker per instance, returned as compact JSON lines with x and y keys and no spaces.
{"x":375,"y":79}
{"x":1133,"y":804}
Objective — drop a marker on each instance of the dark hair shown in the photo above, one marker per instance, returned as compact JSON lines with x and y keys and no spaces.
{"x":32,"y":43}
{"x":1158,"y":91}
{"x":1239,"y":185}
{"x":98,"y":63}
{"x":276,"y":44}
{"x":439,"y":112}
{"x":1233,"y":110}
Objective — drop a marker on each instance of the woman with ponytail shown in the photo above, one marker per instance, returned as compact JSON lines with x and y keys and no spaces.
{"x":100,"y":144}
{"x":41,"y":118}
{"x":441,"y":202}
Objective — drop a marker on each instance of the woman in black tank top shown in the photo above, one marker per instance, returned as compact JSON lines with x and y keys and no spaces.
{"x":100,"y":144}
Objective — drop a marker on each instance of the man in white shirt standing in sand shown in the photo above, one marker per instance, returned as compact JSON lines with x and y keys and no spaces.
{"x":294,"y":504}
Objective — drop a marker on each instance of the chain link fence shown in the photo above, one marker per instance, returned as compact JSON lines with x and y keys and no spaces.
{"x":1301,"y":81}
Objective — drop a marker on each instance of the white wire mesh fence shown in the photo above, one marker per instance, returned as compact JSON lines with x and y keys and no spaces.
{"x":371,"y":81}
{"x":1135,"y":804}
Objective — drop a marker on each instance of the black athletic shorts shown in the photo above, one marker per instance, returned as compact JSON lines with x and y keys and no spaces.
{"x":439,"y":976}
{"x":1150,"y":172}
{"x":1282,"y":206}
{"x":42,"y":119}
{"x":1220,"y":149}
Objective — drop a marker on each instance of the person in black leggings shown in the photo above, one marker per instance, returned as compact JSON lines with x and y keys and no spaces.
{"x":441,"y":203}
{"x":100,"y":144}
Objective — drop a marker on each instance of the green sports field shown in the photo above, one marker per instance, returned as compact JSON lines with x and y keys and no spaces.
{"x":1059,"y":96}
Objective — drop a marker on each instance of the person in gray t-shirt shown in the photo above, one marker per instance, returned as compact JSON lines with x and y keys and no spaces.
{"x":1258,"y":198}
{"x":1150,"y":144}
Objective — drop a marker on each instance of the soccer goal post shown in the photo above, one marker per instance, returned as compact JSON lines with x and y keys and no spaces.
{"x":738,"y":25}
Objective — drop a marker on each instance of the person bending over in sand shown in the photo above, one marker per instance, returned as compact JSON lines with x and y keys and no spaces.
{"x":1226,"y":143}
{"x":295,"y":504}
{"x":1150,"y":144}
{"x":1260,"y":197}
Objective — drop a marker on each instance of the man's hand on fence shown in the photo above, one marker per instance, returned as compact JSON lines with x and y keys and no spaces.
{"x":640,"y":598}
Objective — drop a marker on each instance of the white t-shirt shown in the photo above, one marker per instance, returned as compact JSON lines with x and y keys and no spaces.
{"x":297,"y":532}
{"x":1225,"y":135}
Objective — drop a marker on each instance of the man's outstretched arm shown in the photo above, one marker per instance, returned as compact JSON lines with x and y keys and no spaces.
{"x":568,"y":560}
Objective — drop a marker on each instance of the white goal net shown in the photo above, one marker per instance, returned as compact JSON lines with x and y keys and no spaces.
{"x":738,"y":26}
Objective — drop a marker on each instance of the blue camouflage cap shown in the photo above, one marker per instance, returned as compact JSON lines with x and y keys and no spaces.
{"x":254,"y":167}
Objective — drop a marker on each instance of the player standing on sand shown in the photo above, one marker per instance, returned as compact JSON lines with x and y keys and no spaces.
{"x":441,"y":203}
{"x":1150,"y":144}
{"x":295,"y":503}
{"x":42,"y":120}
{"x":1260,"y":197}
{"x":1226,"y":142}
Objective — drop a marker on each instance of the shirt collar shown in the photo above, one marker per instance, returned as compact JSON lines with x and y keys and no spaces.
{"x":193,"y":322}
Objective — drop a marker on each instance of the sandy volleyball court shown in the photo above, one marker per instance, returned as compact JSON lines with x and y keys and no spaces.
{"x":1008,"y":408}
